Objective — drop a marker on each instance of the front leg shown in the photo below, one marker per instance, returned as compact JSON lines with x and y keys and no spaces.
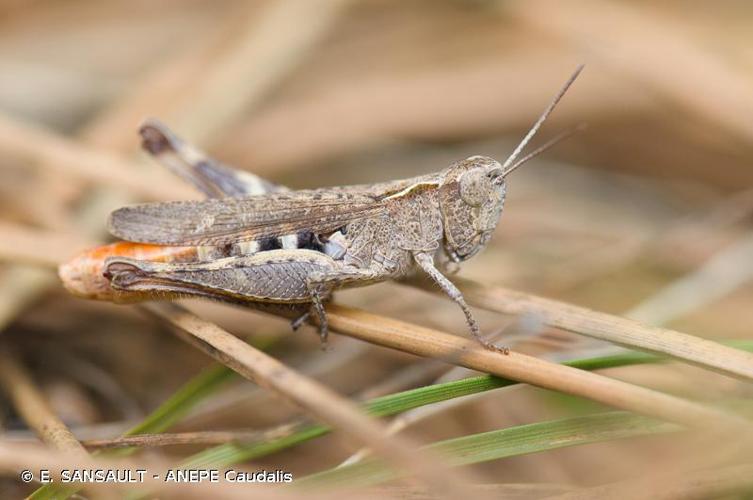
{"x":426,"y":262}
{"x":446,"y":263}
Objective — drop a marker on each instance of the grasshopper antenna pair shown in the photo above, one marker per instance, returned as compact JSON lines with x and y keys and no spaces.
{"x":512,"y":161}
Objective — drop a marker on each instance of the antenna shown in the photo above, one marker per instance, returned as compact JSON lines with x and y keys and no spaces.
{"x":548,"y":144}
{"x":537,"y":126}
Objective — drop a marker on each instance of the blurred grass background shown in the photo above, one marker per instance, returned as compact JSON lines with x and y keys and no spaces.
{"x":655,"y":194}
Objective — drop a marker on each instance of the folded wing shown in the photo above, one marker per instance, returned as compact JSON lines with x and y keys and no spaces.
{"x":228,"y":220}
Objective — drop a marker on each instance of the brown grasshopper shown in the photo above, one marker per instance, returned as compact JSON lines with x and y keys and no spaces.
{"x":264,"y":246}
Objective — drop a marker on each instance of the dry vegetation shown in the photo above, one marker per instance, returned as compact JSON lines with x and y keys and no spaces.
{"x":634,"y":233}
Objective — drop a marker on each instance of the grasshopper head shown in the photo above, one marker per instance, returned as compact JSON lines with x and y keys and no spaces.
{"x":471,"y":198}
{"x":473,"y":191}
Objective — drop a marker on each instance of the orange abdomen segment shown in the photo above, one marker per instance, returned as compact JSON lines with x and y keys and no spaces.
{"x":83,"y":275}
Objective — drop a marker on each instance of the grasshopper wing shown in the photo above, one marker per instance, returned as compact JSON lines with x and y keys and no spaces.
{"x":226,"y":220}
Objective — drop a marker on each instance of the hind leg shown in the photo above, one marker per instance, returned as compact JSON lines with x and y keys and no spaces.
{"x":276,"y":278}
{"x":321,"y":285}
{"x":206,"y":174}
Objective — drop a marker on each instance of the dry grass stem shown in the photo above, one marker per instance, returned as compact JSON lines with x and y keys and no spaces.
{"x":160,"y":91}
{"x":622,"y":331}
{"x":280,"y":37}
{"x":32,"y":406}
{"x":42,"y":248}
{"x":316,"y":399}
{"x":221,"y":77}
{"x":19,"y":287}
{"x":426,"y":342}
{"x":52,"y":151}
{"x":172,"y":439}
{"x":723,"y":273}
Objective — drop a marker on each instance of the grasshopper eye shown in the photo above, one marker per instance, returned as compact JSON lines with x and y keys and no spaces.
{"x":472,"y":184}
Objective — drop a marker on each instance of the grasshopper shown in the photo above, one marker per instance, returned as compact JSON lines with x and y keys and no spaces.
{"x":264,"y":246}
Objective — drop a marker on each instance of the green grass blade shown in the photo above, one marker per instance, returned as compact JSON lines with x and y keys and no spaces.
{"x":183,"y":400}
{"x":232,"y":453}
{"x":493,"y":445}
{"x":393,"y":404}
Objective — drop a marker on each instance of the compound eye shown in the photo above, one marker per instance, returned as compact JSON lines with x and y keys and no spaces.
{"x":473,"y":186}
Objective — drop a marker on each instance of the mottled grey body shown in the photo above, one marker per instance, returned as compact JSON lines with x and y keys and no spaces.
{"x":263,"y":244}
{"x":296,"y":247}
